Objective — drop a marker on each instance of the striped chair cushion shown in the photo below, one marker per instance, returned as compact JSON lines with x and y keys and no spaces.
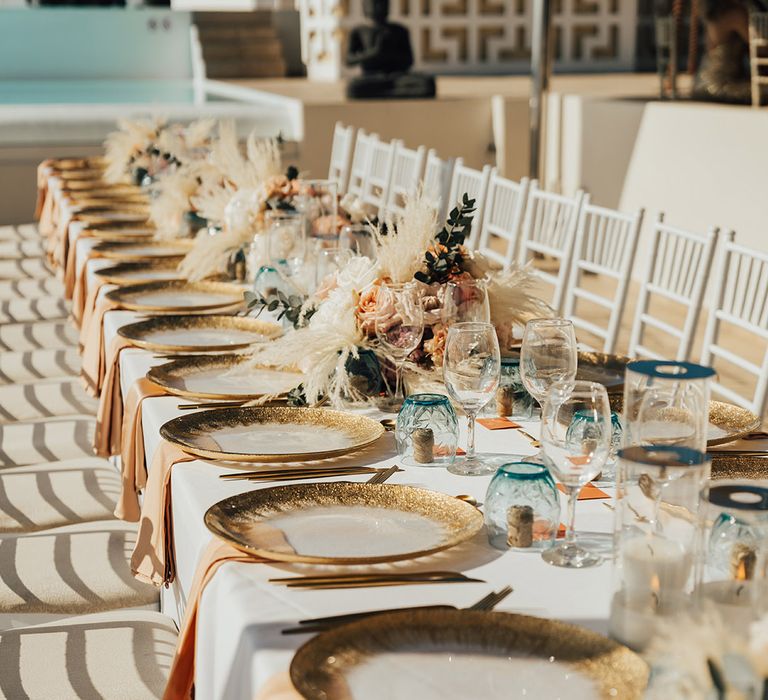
{"x":46,"y":441}
{"x":16,"y":250}
{"x":29,"y":402}
{"x":23,"y":337}
{"x":120,"y":655}
{"x":25,"y":310}
{"x":71,"y":570}
{"x":31,"y":289}
{"x":42,"y":496}
{"x":23,"y":367}
{"x":34,"y":268}
{"x":20,"y":233}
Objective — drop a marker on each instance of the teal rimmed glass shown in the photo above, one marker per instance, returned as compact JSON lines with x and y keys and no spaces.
{"x":522,"y":484}
{"x":432,"y":411}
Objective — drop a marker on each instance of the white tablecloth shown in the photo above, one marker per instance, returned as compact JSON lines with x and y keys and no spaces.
{"x":239,"y":642}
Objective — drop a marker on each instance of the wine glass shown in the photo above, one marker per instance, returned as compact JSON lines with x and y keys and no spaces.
{"x":399,"y":326}
{"x":471,"y":369}
{"x":548,"y":355}
{"x":358,"y":239}
{"x":328,"y":262}
{"x":287,"y":240}
{"x":465,"y":300}
{"x":576,"y":443}
{"x":318,"y":201}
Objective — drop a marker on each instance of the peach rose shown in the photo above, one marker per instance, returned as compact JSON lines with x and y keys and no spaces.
{"x":435,"y":346}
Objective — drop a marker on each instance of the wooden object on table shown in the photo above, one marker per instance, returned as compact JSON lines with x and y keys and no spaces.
{"x":520,"y":526}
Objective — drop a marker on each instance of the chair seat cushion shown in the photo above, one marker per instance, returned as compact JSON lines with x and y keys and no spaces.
{"x":21,"y":249}
{"x":43,"y":496}
{"x":31,"y":268}
{"x":51,"y":399}
{"x":19,"y":233}
{"x":118,"y":656}
{"x":50,"y":335}
{"x":71,"y":570}
{"x":48,"y":287}
{"x":46,"y":441}
{"x":32,"y":366}
{"x":31,"y":310}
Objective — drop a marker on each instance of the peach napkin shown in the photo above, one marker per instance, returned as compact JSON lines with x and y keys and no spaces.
{"x":153,"y":558}
{"x":133,"y":466}
{"x":93,"y":365}
{"x":109,"y":415}
{"x":588,"y":493}
{"x":44,"y":171}
{"x":83,"y":298}
{"x":182,"y":675}
{"x":497,"y":423}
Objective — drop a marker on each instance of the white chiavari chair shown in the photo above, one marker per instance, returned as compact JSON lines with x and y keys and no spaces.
{"x":675,"y":281}
{"x":604,"y":251}
{"x":360,"y":162}
{"x":741,"y":302}
{"x":341,"y":155}
{"x":549,"y":230}
{"x":503,"y":219}
{"x":437,"y":180}
{"x":379,"y":174}
{"x":474,"y":183}
{"x":407,"y":169}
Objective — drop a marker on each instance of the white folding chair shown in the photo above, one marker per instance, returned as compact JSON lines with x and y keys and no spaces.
{"x":473,"y":183}
{"x":549,"y":229}
{"x":504,"y":209}
{"x":437,"y":180}
{"x":407,"y":168}
{"x":676,"y":277}
{"x":341,"y":155}
{"x":360,"y":162}
{"x":606,"y":244}
{"x":741,"y":301}
{"x":379,"y":173}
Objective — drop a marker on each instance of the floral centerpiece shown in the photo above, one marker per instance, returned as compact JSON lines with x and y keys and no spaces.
{"x":338,"y":323}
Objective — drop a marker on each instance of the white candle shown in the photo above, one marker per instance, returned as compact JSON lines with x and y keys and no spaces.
{"x":733,"y":600}
{"x":655,"y":570}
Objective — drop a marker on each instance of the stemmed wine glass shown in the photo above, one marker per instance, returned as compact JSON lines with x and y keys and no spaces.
{"x":287,"y":240}
{"x":575,"y":454}
{"x":465,"y":300}
{"x":358,"y":239}
{"x":548,"y":355}
{"x":399,"y":326}
{"x":471,"y":369}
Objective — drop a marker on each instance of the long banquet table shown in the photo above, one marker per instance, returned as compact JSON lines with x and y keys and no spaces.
{"x":240,"y":648}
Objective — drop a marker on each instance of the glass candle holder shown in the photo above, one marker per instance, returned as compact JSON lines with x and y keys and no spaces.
{"x":733,"y":576}
{"x":522,"y":507}
{"x":656,"y":538}
{"x":666,"y":403}
{"x":512,"y":398}
{"x":427,"y":431}
{"x":318,"y":200}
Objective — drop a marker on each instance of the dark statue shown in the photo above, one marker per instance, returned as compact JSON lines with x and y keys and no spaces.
{"x":383,"y":50}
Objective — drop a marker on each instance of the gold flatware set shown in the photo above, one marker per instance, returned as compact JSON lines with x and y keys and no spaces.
{"x":373,"y":580}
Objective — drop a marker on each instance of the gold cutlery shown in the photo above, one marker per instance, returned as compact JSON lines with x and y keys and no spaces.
{"x":234,"y":404}
{"x":534,"y":442}
{"x":297,"y":473}
{"x":319,"y":624}
{"x":383,"y":475}
{"x":389,"y":424}
{"x":331,"y":582}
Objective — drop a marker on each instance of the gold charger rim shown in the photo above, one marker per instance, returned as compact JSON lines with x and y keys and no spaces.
{"x":122,"y":295}
{"x":121,"y":250}
{"x":174,"y":430}
{"x":318,"y":666}
{"x":111,"y":274}
{"x":163,"y":375}
{"x":753,"y":467}
{"x":136,"y":332}
{"x":740,"y":421}
{"x":375,"y":495}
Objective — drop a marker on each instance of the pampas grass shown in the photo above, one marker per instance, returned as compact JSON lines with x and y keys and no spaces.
{"x":131,"y":138}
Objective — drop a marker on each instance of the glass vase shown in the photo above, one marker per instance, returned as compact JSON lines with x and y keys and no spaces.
{"x":522,"y":507}
{"x":656,"y":538}
{"x":427,"y":431}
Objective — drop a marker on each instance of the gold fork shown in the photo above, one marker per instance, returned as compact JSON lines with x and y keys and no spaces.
{"x":534,"y":442}
{"x":382,"y":476}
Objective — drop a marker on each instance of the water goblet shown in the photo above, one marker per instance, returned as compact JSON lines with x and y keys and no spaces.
{"x":471,"y":370}
{"x":548,"y":355}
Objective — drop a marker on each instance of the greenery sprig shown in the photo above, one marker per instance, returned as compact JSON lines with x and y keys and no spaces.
{"x":446,"y":256}
{"x":290,"y":306}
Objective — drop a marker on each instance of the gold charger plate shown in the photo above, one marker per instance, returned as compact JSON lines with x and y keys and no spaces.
{"x":196,"y":296}
{"x":131,"y":232}
{"x":464,"y":653}
{"x":85,"y":163}
{"x":216,"y":377}
{"x":224,"y":433}
{"x":603,"y":368}
{"x":141,"y":271}
{"x":82,"y":174}
{"x":166,"y":333}
{"x":739,"y":467}
{"x":145,"y":250}
{"x":343,"y":523}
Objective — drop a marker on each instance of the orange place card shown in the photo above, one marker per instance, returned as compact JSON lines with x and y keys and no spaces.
{"x":497,"y":423}
{"x":588,"y":493}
